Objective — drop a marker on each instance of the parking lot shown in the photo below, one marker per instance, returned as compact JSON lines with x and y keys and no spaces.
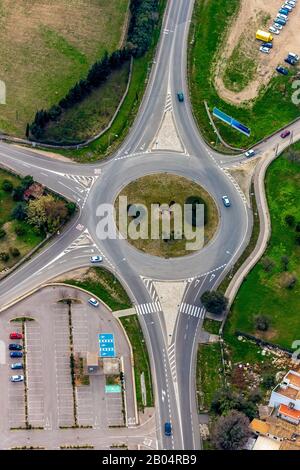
{"x":49,"y":390}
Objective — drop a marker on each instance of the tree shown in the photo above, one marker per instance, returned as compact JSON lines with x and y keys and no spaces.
{"x":19,"y":212}
{"x":297,"y":228}
{"x":214,"y":302}
{"x":285,"y":262}
{"x":14,"y":252}
{"x":47,"y":213}
{"x":268,"y":381}
{"x":231,"y":432}
{"x":7,"y":186}
{"x":290,"y":220}
{"x":71,"y":206}
{"x":4,"y":256}
{"x":18,"y":193}
{"x":262,"y":322}
{"x":297,"y":240}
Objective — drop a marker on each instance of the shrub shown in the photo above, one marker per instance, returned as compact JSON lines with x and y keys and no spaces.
{"x":19,"y":212}
{"x":14,"y":252}
{"x":4,"y":256}
{"x":290,"y":220}
{"x":18,"y":193}
{"x":262,"y":322}
{"x":214,"y":302}
{"x":7,"y":186}
{"x":267,"y":264}
{"x":2,"y":233}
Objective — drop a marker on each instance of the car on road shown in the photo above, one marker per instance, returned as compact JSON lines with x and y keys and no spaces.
{"x":250,"y":153}
{"x":93,"y":302}
{"x":15,"y":347}
{"x":285,"y":134}
{"x":16,"y":365}
{"x":15,"y":335}
{"x":15,"y":354}
{"x":96,"y":259}
{"x":226,"y":201}
{"x":180,"y":96}
{"x":17,"y":378}
{"x":168,"y":429}
{"x":265,"y":50}
{"x":282,"y":70}
{"x":274,"y":30}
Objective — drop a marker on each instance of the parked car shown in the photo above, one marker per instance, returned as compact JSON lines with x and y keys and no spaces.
{"x":96,"y":259}
{"x":279,"y":21}
{"x":285,"y":134}
{"x":282,"y":16}
{"x":265,"y":50}
{"x":226,"y":201}
{"x":17,"y":378}
{"x":282,"y":70}
{"x":287,"y":7}
{"x":168,"y":429}
{"x":93,"y":302}
{"x":16,"y":365}
{"x":290,"y":60}
{"x":15,"y":354}
{"x":250,"y":153}
{"x":293,"y":56}
{"x":278,"y":25}
{"x":15,"y":347}
{"x":274,"y":30}
{"x":16,"y":335}
{"x":269,"y":45}
{"x":284,"y":11}
{"x":180,"y":96}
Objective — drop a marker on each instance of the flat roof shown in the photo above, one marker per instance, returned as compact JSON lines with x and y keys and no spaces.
{"x":294,"y":378}
{"x":265,"y":443}
{"x":287,"y":392}
{"x":259,"y":426}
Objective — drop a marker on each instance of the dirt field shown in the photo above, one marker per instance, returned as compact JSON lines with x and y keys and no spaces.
{"x":46,"y":46}
{"x":254,"y":14}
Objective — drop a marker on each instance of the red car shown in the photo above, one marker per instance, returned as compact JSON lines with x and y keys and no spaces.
{"x":15,"y":335}
{"x":284,"y":134}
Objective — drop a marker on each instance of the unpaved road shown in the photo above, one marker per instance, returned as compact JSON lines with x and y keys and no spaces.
{"x":287,"y":41}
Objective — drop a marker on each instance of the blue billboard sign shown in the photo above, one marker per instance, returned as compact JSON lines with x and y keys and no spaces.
{"x":107,"y":345}
{"x":231,"y":122}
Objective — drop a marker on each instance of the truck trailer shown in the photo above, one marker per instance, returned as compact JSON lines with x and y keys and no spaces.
{"x":263,"y":36}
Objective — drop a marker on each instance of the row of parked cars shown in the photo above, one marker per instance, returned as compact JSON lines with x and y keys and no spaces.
{"x":16,"y":352}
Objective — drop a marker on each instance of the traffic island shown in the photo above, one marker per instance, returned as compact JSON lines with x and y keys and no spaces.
{"x":151,"y":206}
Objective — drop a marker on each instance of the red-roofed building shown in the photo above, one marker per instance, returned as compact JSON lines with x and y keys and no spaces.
{"x":289,"y":414}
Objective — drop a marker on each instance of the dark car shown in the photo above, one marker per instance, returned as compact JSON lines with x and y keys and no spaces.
{"x":282,"y":70}
{"x":15,"y":347}
{"x":285,"y":134}
{"x":180,"y":96}
{"x":290,"y":60}
{"x":16,"y":365}
{"x":14,"y":354}
{"x":168,"y":429}
{"x":269,"y":45}
{"x":226,"y":201}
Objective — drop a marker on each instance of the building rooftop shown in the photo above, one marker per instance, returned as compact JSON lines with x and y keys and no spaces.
{"x":294,"y":378}
{"x":257,"y":425}
{"x":288,"y":392}
{"x":289,"y":412}
{"x":265,"y":443}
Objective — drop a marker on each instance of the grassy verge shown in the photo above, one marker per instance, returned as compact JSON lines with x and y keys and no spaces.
{"x":90,"y":116}
{"x":61,"y":44}
{"x":104,"y":285}
{"x":169,"y":189}
{"x":211,"y":326}
{"x":209,"y":374}
{"x":265,"y":290}
{"x":111,"y":139}
{"x":141,"y":358}
{"x":271,"y":110}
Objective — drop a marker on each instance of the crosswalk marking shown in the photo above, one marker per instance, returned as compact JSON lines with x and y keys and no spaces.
{"x":145,"y":309}
{"x":192,"y":310}
{"x":169,"y":106}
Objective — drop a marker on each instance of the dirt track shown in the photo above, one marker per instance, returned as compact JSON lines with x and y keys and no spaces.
{"x":288,"y":40}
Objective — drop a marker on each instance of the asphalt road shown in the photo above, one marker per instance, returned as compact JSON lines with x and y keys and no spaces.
{"x":91,"y":186}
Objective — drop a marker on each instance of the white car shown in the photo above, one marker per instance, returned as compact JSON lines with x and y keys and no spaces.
{"x":293,"y":56}
{"x":274,"y":30}
{"x":287,"y":7}
{"x":96,"y":259}
{"x":265,"y":50}
{"x":93,"y":302}
{"x":226,"y":201}
{"x":250,"y":153}
{"x":278,"y":26}
{"x":17,"y":378}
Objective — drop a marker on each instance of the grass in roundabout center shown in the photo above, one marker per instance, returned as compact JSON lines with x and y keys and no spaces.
{"x":167,"y":189}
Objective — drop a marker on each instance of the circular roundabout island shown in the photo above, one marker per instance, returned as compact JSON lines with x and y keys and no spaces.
{"x":166,"y":215}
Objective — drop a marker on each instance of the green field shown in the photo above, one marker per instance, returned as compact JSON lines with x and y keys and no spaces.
{"x":271,"y":110}
{"x":209,"y":376}
{"x":52,"y":48}
{"x":25,"y":242}
{"x":141,"y":359}
{"x":265,"y":291}
{"x":104,"y":285}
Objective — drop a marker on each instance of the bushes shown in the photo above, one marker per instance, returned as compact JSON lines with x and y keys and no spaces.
{"x":19,"y":212}
{"x":7,"y":186}
{"x":2,"y":233}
